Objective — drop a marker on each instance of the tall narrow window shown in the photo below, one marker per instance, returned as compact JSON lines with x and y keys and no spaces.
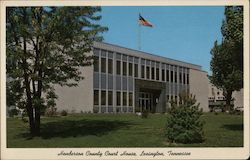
{"x":187,"y":78}
{"x":172,"y":76}
{"x":124,"y":101}
{"x":142,"y":72}
{"x":157,"y":74}
{"x":147,"y":72}
{"x":184,"y":78}
{"x":103,"y":65}
{"x":103,"y":97}
{"x":130,"y":99}
{"x":96,"y":97}
{"x":180,"y":78}
{"x":124,"y":68}
{"x":118,"y":67}
{"x":110,"y":66}
{"x":136,"y":70}
{"x":96,"y":64}
{"x":110,"y":98}
{"x":175,"y":77}
{"x":167,"y":75}
{"x":118,"y":98}
{"x":152,"y":73}
{"x":130,"y":69}
{"x":163,"y":75}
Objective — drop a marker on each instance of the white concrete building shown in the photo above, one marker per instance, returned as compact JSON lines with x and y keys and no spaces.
{"x":126,"y":80}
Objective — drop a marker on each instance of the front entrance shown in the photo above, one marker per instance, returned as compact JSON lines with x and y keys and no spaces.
{"x":145,"y":101}
{"x":150,"y":96}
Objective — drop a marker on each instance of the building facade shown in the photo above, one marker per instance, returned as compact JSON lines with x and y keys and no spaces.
{"x":123,"y":80}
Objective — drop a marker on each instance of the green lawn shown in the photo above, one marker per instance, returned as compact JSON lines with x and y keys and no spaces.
{"x":120,"y":130}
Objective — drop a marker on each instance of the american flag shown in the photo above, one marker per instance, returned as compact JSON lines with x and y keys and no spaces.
{"x":144,"y":22}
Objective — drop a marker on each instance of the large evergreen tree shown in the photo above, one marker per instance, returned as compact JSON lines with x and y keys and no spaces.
{"x":227,"y":57}
{"x":46,"y":46}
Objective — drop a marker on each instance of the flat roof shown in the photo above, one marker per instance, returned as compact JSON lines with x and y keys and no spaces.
{"x":144,"y":55}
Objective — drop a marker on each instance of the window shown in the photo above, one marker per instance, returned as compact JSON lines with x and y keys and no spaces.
{"x":124,"y":100}
{"x":213,"y":92}
{"x":184,"y":79}
{"x":180,"y":78}
{"x":136,"y":70}
{"x":187,"y":78}
{"x":110,"y":98}
{"x":130,"y":69}
{"x":168,"y":98}
{"x":110,"y":66}
{"x":157,"y":74}
{"x":175,"y":77}
{"x":96,"y":64}
{"x":163,"y":75}
{"x":130,"y":99}
{"x":118,"y":98}
{"x":96,"y":97}
{"x":167,"y":75}
{"x":147,"y":72}
{"x":142,"y":72}
{"x":152,"y":73}
{"x":103,"y":65}
{"x":124,"y":68}
{"x":118,"y":67}
{"x":103,"y":98}
{"x":96,"y":51}
{"x":172,"y":76}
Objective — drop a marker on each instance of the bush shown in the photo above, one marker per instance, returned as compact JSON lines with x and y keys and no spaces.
{"x":13,"y":112}
{"x":144,"y":114}
{"x":51,"y":111}
{"x":183,"y":123}
{"x":64,"y":113}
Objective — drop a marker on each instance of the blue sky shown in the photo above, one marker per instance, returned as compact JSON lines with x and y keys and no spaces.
{"x":185,"y":33}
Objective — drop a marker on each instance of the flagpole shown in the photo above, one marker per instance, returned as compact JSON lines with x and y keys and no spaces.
{"x":139,"y":35}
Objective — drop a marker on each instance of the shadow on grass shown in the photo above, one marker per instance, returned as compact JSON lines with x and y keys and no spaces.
{"x":78,"y":128}
{"x":233,"y":127}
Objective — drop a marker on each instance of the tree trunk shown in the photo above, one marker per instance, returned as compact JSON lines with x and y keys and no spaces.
{"x":37,"y":120}
{"x":228,"y":100}
{"x":31,"y":117}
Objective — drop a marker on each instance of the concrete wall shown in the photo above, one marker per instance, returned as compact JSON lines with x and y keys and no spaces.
{"x":199,"y":87}
{"x":77,"y":99}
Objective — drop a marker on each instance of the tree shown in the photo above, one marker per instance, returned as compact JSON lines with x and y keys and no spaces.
{"x":47,"y":46}
{"x":227,"y":57}
{"x":183,"y":123}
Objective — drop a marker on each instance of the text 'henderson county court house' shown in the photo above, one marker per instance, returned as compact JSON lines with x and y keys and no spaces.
{"x":125,"y":80}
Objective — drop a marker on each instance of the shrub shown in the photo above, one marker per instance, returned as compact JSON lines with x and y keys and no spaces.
{"x":64,"y":113}
{"x":183,"y":123}
{"x":13,"y":112}
{"x":51,"y":111}
{"x":144,"y":114}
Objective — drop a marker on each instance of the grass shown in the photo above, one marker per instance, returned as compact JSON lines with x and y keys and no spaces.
{"x":120,"y":130}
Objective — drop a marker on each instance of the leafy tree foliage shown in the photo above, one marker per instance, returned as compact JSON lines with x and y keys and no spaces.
{"x":47,"y":46}
{"x":183,"y":123}
{"x":227,"y":57}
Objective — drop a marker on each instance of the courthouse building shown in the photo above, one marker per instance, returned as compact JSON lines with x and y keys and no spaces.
{"x":124,"y":80}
